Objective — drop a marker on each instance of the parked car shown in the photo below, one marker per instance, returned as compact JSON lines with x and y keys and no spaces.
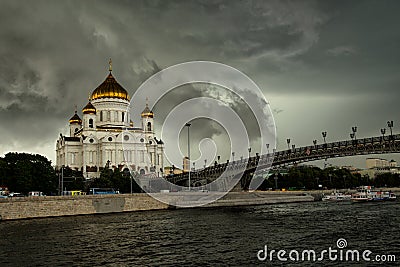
{"x":13,"y":194}
{"x":35,"y":194}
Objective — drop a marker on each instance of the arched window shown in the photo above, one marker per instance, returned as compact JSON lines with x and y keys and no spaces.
{"x":149,"y":126}
{"x":90,"y":123}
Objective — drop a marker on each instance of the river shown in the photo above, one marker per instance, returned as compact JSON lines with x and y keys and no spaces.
{"x":207,"y":237}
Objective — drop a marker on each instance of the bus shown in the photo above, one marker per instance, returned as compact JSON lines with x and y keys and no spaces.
{"x":74,"y":193}
{"x":102,"y":191}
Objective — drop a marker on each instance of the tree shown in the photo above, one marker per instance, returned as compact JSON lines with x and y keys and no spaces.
{"x":23,"y":172}
{"x":116,"y":179}
{"x":73,"y":179}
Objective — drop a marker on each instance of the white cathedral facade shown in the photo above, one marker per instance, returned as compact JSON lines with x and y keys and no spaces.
{"x":106,"y":136}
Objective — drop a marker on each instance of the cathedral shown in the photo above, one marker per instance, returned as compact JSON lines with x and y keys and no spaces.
{"x":106,"y":136}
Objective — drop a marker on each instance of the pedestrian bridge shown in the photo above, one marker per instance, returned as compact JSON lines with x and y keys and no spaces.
{"x":261,"y":163}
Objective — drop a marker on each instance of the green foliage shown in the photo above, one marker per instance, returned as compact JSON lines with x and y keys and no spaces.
{"x":23,"y":172}
{"x":309,"y":177}
{"x":116,"y":179}
{"x":73,"y":180}
{"x":387,"y":179}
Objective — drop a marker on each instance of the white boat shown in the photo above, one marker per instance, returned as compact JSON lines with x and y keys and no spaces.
{"x":336,"y":196}
{"x":392,"y":196}
{"x":365,"y":193}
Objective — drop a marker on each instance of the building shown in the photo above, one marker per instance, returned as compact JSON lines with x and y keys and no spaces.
{"x":377,"y":166}
{"x":185,"y":164}
{"x":105,"y":136}
{"x":376,"y":163}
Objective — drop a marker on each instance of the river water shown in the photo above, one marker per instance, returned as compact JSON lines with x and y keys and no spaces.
{"x":206,"y":237}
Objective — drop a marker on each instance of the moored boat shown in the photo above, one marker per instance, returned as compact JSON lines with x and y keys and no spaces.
{"x":366,"y":193}
{"x":336,"y":196}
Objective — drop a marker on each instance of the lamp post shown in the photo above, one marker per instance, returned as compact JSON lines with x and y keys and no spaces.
{"x":188,"y":127}
{"x":390,"y":125}
{"x":288,"y":143}
{"x":131,"y":176}
{"x":62,"y":180}
{"x":352,"y":138}
{"x":354,"y":129}
{"x":344,"y":180}
{"x":315,"y":142}
{"x":233,"y":157}
{"x":267,"y":148}
{"x":383,"y":131}
{"x":324,"y":136}
{"x":276,"y":181}
{"x":205,"y":163}
{"x":249,"y":149}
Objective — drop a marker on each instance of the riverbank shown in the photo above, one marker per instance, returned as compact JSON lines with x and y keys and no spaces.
{"x":39,"y":207}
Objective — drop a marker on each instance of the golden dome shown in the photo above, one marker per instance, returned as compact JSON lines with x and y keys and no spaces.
{"x":110,"y":88}
{"x":75,"y":119}
{"x":89,"y":109}
{"x":147,"y":112}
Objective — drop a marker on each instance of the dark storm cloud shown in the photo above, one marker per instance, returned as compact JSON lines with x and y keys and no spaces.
{"x":327,"y":54}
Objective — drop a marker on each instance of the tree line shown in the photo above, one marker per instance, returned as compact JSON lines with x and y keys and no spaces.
{"x":23,"y":172}
{"x":311,"y":177}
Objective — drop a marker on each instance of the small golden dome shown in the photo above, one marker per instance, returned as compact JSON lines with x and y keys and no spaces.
{"x":147,"y":113}
{"x":75,"y":119}
{"x":89,"y":109}
{"x":110,"y":88}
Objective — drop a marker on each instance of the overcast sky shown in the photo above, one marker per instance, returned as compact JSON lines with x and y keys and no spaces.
{"x":322,"y":65}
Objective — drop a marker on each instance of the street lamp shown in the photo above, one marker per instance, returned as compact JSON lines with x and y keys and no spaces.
{"x":188,"y":127}
{"x":62,"y":180}
{"x":205,"y":163}
{"x":352,"y":136}
{"x":249,"y":149}
{"x":233,"y":156}
{"x":267,"y":148}
{"x":383,"y":131}
{"x":354,"y":129}
{"x":390,"y":125}
{"x":315,"y":142}
{"x":131,"y":176}
{"x":276,"y":181}
{"x":324,"y":136}
{"x":344,"y":180}
{"x":218,"y":158}
{"x":288,"y":143}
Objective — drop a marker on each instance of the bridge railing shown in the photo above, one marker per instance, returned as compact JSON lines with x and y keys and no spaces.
{"x":363,"y":146}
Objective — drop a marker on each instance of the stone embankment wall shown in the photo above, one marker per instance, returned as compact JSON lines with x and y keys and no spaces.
{"x":36,"y":207}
